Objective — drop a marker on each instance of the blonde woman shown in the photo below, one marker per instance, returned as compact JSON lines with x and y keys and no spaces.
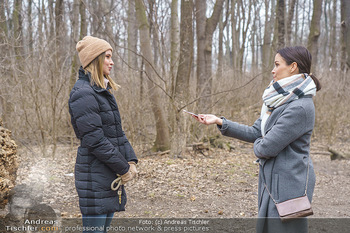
{"x":104,"y":152}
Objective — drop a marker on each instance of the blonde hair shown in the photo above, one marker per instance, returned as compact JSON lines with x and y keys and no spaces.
{"x":96,"y":70}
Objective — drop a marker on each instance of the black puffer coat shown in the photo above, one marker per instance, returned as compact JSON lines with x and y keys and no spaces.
{"x":104,"y":150}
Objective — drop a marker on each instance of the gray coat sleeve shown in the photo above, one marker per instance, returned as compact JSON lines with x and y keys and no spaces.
{"x":289,"y":126}
{"x":239,"y":131}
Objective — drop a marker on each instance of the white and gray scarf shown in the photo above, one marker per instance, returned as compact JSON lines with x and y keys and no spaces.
{"x":284,"y":91}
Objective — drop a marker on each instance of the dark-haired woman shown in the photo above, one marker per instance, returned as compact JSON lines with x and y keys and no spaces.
{"x":104,"y":152}
{"x":281,"y":137}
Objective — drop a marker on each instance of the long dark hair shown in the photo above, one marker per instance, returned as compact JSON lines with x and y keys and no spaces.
{"x":302,"y":57}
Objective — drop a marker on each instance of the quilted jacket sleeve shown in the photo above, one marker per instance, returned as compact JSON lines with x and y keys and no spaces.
{"x":130,"y":153}
{"x":84,"y":110}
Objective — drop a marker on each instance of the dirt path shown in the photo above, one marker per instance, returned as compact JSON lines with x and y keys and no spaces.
{"x":220,"y":184}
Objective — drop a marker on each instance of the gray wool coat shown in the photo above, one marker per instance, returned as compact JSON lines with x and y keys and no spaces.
{"x":283,"y":156}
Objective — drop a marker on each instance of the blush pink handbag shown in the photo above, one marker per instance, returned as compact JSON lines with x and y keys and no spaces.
{"x":296,"y":207}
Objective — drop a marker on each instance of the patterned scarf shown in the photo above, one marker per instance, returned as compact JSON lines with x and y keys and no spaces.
{"x":284,"y":91}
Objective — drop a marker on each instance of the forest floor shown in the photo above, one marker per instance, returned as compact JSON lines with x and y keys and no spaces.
{"x":215,"y":183}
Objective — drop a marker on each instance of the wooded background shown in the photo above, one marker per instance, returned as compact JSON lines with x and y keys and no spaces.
{"x":203,"y":56}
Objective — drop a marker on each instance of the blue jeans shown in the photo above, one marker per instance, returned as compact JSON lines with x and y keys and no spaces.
{"x":96,"y":223}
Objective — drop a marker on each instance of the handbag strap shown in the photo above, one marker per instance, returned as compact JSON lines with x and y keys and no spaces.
{"x":307,"y":180}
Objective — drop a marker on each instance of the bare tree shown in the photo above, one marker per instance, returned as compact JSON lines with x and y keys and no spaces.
{"x":162,"y":138}
{"x":132,"y":35}
{"x":333,"y":36}
{"x":3,"y":24}
{"x":205,"y":30}
{"x":30,"y":25}
{"x":3,"y":51}
{"x":279,"y":34}
{"x":240,"y":23}
{"x":246,"y":20}
{"x":222,"y":25}
{"x":83,"y":25}
{"x":267,"y":42}
{"x":39,"y":65}
{"x":235,"y":34}
{"x":18,"y":28}
{"x":175,"y":42}
{"x":345,"y":23}
{"x":291,"y":9}
{"x":315,"y":30}
{"x":182,"y":89}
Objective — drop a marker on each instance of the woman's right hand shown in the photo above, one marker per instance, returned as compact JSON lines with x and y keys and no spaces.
{"x":209,"y":119}
{"x":133,"y":168}
{"x":127,"y":177}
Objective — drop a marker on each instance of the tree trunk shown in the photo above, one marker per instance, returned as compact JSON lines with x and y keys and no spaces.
{"x":3,"y":22}
{"x":326,"y":52}
{"x":266,"y":48}
{"x":244,"y":34}
{"x":303,"y":22}
{"x":134,"y":76}
{"x":228,"y":54}
{"x":202,"y":79}
{"x":75,"y":35}
{"x":174,"y":46}
{"x":132,"y":36}
{"x":333,"y":36}
{"x":221,"y":48}
{"x":153,"y":30}
{"x":162,"y":142}
{"x":345,"y":25}
{"x":315,"y":30}
{"x":3,"y":51}
{"x":51,"y":31}
{"x":83,"y":26}
{"x":30,"y":27}
{"x":280,"y":23}
{"x":59,"y":23}
{"x":296,"y":28}
{"x":40,"y":24}
{"x":235,"y":35}
{"x":289,"y":21}
{"x":222,"y":59}
{"x":253,"y":41}
{"x":105,"y":9}
{"x":205,"y":30}
{"x":59,"y":35}
{"x":18,"y":28}
{"x":181,"y":95}
{"x":174,"y":64}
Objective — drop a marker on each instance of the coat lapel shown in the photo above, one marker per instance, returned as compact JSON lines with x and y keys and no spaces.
{"x":271,"y":121}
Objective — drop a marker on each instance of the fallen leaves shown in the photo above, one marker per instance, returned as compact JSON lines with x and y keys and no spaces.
{"x":221,"y":184}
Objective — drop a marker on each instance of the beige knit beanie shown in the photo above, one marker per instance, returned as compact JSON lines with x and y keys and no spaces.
{"x":91,"y":47}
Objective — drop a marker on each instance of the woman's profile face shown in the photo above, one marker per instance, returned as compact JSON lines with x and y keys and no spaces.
{"x":108,"y":63}
{"x":281,"y":69}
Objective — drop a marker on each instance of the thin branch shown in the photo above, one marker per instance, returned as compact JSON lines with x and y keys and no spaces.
{"x":222,"y":92}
